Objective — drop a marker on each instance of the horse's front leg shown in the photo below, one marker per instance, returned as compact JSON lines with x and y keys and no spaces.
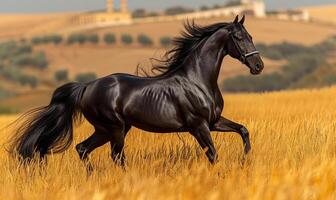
{"x":225,"y":125}
{"x":201,"y":132}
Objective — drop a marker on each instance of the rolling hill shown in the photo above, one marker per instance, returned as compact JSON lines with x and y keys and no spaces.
{"x":326,"y":14}
{"x":103,"y":60}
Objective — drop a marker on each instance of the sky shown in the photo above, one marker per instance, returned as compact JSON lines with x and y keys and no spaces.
{"x":45,"y":6}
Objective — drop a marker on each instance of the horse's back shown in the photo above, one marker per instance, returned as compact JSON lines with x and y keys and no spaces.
{"x":146,"y":103}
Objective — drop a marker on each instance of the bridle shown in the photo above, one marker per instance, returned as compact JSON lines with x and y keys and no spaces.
{"x":243,"y":56}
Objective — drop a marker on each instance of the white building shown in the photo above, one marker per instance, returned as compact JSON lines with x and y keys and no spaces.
{"x":255,"y":8}
{"x":292,"y":15}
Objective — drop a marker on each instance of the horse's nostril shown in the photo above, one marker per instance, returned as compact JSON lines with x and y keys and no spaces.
{"x":258,"y":66}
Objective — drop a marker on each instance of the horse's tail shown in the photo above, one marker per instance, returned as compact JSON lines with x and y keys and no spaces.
{"x":49,"y":129}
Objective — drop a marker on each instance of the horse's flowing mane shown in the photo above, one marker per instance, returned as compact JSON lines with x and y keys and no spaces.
{"x":183,"y":46}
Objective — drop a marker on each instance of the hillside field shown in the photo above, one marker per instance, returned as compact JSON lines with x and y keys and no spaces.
{"x":104,"y":60}
{"x":326,"y":14}
{"x":293,"y":157}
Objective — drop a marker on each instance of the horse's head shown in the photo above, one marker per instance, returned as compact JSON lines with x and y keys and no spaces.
{"x":241,"y":47}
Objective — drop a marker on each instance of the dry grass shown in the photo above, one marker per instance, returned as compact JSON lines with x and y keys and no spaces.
{"x":323,"y":13}
{"x":27,"y":25}
{"x":294,"y":157}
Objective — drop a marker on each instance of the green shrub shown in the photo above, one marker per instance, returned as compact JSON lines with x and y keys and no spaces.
{"x":269,"y":52}
{"x":145,"y":40}
{"x":85,"y":77}
{"x":283,"y":50}
{"x":82,"y":38}
{"x":7,"y":48}
{"x":36,"y":40}
{"x":329,"y":79}
{"x":24,"y":49}
{"x":40,"y":60}
{"x":177,"y":10}
{"x":153,"y":14}
{"x":93,"y":38}
{"x":56,"y":39}
{"x":61,"y":75}
{"x":109,"y":38}
{"x":77,"y":38}
{"x":139,"y":13}
{"x":28,"y":80}
{"x":14,"y":74}
{"x":165,"y":41}
{"x":126,"y":39}
{"x":23,"y":60}
{"x":301,"y":65}
{"x":267,"y":82}
{"x":204,"y":7}
{"x":11,"y":73}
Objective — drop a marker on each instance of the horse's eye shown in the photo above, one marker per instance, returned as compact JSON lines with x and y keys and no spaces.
{"x":238,"y":36}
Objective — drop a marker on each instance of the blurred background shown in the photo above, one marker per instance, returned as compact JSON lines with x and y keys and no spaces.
{"x":44,"y":44}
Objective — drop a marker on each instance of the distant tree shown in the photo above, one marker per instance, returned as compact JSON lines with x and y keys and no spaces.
{"x":36,"y":40}
{"x":93,"y":38}
{"x":177,"y":10}
{"x":110,"y":38}
{"x":82,"y":38}
{"x":61,"y":75}
{"x":165,"y":41}
{"x":22,"y":60}
{"x":233,"y":3}
{"x":153,"y":14}
{"x":38,"y":60}
{"x":85,"y":77}
{"x":23,"y":49}
{"x":77,"y":38}
{"x":145,"y":40}
{"x":216,"y":6}
{"x":126,"y":39}
{"x":56,"y":39}
{"x":204,"y":7}
{"x":28,"y":80}
{"x":41,"y":60}
{"x":329,"y":79}
{"x":139,"y":13}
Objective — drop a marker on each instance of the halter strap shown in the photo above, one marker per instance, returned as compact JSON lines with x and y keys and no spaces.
{"x":251,"y":54}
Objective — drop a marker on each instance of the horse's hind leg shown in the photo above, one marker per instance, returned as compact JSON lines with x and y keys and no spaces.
{"x":117,"y":144}
{"x":96,"y":140}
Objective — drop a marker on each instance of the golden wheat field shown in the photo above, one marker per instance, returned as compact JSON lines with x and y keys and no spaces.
{"x":293,"y":157}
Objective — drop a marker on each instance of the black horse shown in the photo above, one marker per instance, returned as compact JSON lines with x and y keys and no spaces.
{"x":184,"y":98}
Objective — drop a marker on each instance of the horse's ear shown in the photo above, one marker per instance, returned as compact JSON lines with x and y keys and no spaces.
{"x":236,"y":19}
{"x":242,"y":20}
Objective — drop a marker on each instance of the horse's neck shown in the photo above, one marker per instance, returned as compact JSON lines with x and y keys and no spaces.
{"x":206,"y":65}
